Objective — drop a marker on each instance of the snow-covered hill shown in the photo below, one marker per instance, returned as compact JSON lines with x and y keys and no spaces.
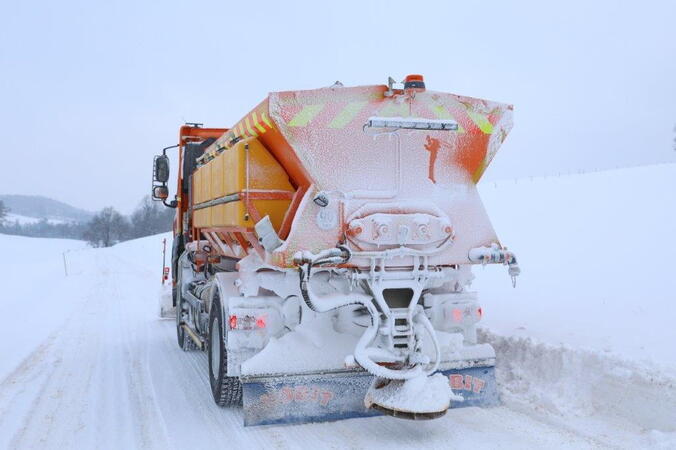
{"x":39,"y":207}
{"x":86,"y":363}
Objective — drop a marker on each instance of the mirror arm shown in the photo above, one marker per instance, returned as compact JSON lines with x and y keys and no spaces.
{"x":164,"y":150}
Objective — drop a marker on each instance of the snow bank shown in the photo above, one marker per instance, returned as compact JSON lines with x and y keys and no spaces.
{"x":587,"y":391}
{"x":566,"y":380}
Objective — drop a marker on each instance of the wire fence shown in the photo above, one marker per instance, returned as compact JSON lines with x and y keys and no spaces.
{"x":531,"y":178}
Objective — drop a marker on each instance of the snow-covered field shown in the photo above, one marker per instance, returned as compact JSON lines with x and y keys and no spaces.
{"x":585,"y":341}
{"x":25,"y":220}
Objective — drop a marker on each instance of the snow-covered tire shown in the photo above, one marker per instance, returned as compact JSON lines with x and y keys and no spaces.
{"x":227,"y":390}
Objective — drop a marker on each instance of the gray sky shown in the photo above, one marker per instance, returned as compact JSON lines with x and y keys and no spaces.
{"x":89,"y":91}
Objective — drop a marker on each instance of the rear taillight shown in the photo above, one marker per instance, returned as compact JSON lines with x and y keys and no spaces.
{"x":246,"y":322}
{"x":468,"y":314}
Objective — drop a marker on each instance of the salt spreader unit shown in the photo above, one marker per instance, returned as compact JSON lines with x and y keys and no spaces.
{"x":323,"y":248}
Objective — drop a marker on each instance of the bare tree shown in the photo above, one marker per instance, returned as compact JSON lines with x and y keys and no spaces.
{"x":3,"y":211}
{"x":150,"y":218}
{"x":107,"y":228}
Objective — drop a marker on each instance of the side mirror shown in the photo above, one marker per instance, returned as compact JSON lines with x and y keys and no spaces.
{"x":160,"y":193}
{"x":161,"y":169}
{"x":160,"y":177}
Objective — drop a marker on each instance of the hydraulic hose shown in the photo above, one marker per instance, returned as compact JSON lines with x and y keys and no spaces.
{"x":330,"y":302}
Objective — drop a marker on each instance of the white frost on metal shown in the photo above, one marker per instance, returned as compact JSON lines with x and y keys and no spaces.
{"x":421,"y":394}
{"x":411,"y":123}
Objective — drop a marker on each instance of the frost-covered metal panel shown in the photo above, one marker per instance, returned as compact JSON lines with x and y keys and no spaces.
{"x":355,"y":165}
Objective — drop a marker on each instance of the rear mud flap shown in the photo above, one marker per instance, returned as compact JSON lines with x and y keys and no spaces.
{"x":321,"y":397}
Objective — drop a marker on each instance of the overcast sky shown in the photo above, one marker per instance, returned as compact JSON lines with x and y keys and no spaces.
{"x":91,"y":90}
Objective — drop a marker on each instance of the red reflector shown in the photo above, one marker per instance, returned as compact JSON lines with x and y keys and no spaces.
{"x":479,"y":312}
{"x":233,"y":322}
{"x":260,"y":322}
{"x":457,"y":315}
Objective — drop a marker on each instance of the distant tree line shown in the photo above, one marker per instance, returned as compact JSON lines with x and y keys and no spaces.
{"x":109,"y":227}
{"x":3,"y":211}
{"x":44,"y":228}
{"x":106,"y":228}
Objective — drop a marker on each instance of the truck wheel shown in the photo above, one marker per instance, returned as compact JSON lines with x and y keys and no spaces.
{"x":227,"y":390}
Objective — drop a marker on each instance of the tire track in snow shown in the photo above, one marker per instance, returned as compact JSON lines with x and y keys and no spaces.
{"x":127,"y":326}
{"x":91,"y":357}
{"x":56,"y":402}
{"x":21,"y":393}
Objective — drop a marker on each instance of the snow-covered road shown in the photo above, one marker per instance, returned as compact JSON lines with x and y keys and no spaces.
{"x":109,"y":375}
{"x":112,"y":376}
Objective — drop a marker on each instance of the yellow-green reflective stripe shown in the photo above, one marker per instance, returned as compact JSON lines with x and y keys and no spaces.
{"x":256,"y":124}
{"x":248,"y":127}
{"x":264,"y":116}
{"x":481,"y":121}
{"x":347,"y":114}
{"x":442,"y":113}
{"x":476,"y":176}
{"x":305,"y":115}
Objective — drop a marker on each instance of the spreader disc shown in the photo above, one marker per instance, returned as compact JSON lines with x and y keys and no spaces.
{"x":420,"y":398}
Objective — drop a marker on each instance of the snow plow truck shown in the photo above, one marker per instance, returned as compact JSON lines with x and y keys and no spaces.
{"x":323,"y":248}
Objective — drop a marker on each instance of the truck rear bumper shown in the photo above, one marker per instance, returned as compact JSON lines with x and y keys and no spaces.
{"x":339,"y":394}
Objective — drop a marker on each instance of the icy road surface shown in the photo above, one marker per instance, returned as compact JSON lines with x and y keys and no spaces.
{"x":110,"y":375}
{"x":86,"y":363}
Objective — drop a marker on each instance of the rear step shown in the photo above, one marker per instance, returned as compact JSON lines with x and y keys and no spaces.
{"x":337,"y":395}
